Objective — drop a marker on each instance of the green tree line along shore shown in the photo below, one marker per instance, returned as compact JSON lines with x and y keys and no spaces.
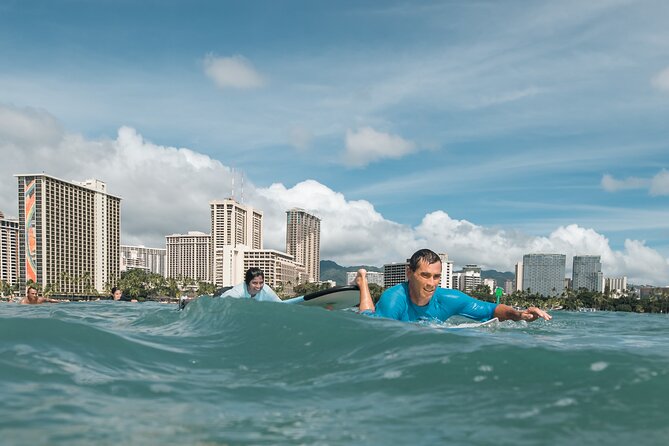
{"x":573,"y":300}
{"x":142,"y":285}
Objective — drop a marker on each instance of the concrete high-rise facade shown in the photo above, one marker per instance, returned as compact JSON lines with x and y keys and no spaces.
{"x":9,"y":250}
{"x":543,"y":274}
{"x":587,"y":273}
{"x":280,"y":269}
{"x":394,"y":273}
{"x":235,"y":224}
{"x":235,"y":228}
{"x":519,"y":277}
{"x":153,"y":260}
{"x":303,"y":241}
{"x":509,"y":287}
{"x":469,"y":278}
{"x":374,"y":277}
{"x":491,"y":284}
{"x":69,"y":234}
{"x":446,"y":271}
{"x":616,"y":286}
{"x":189,"y":256}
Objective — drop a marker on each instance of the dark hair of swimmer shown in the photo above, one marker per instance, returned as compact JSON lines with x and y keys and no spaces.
{"x":425,"y":255}
{"x":252,"y":273}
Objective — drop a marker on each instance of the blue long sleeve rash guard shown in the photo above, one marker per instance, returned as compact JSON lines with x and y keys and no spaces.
{"x":396,"y":304}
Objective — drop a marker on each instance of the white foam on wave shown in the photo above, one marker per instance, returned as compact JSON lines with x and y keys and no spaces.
{"x":598,"y":366}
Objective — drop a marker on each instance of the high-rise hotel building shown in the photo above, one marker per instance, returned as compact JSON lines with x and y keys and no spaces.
{"x":279,"y":268}
{"x":9,"y":250}
{"x":235,"y":228}
{"x":189,"y":256}
{"x":394,"y":273}
{"x":152,"y":260}
{"x":303,"y":241}
{"x":446,"y":271}
{"x":543,"y":274}
{"x":69,"y":234}
{"x":587,"y":273}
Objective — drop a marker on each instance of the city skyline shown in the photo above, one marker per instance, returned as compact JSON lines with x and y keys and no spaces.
{"x":253,"y":231}
{"x":486,"y":130}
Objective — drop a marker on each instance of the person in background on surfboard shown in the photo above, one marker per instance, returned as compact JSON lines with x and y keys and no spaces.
{"x":117,"y":294}
{"x":420,"y":297}
{"x":33,"y":299}
{"x":253,"y":287}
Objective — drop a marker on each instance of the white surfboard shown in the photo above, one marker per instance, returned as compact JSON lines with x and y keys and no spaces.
{"x":475,"y":324}
{"x":336,"y":298}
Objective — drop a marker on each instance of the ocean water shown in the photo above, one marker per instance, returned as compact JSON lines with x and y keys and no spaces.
{"x":242,"y":372}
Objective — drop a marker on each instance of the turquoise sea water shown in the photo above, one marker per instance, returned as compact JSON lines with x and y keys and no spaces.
{"x":244,"y":372}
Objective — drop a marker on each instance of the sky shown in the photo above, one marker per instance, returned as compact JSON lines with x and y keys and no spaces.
{"x":483,"y":129}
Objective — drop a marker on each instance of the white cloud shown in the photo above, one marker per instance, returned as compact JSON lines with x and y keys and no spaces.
{"x":661,"y":80}
{"x":367,"y":145}
{"x":166,"y":190}
{"x":610,"y":184}
{"x":232,"y":72}
{"x":659,"y":185}
{"x":28,"y":126}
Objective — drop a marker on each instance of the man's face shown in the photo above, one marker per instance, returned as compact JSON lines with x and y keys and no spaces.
{"x":32,"y":294}
{"x":424,"y":281}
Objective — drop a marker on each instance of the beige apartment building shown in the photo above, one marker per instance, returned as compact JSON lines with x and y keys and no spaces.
{"x":69,"y":234}
{"x":9,"y":250}
{"x":189,"y":255}
{"x":280,"y":269}
{"x":153,"y":260}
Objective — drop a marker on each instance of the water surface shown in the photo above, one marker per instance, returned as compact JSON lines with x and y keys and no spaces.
{"x":242,"y":372}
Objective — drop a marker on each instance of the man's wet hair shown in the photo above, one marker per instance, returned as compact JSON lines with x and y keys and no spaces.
{"x":252,"y":273}
{"x":425,"y":255}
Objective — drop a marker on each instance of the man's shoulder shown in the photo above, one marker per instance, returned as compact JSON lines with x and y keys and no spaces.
{"x":396,"y":291}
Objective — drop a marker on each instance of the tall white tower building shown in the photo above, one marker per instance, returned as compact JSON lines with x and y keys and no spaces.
{"x":9,"y":250}
{"x":446,"y":271}
{"x":303,"y":241}
{"x":235,"y":229}
{"x":587,"y":273}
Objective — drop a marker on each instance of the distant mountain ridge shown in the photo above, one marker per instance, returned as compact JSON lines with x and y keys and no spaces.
{"x":498,"y":276}
{"x":332,"y":271}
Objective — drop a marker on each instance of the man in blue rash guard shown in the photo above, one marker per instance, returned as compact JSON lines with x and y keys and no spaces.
{"x":421,"y":298}
{"x":253,"y":287}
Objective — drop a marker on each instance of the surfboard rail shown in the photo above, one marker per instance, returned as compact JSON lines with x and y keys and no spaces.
{"x":335,"y":298}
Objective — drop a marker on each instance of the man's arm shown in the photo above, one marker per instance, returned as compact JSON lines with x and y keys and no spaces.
{"x":505,"y":312}
{"x":366,"y":302}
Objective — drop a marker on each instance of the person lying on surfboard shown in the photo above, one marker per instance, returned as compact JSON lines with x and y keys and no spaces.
{"x":420,"y":297}
{"x":33,"y":299}
{"x":253,"y":287}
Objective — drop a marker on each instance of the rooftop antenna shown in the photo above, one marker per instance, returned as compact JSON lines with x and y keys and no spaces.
{"x":232,"y":185}
{"x":241,"y":180}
